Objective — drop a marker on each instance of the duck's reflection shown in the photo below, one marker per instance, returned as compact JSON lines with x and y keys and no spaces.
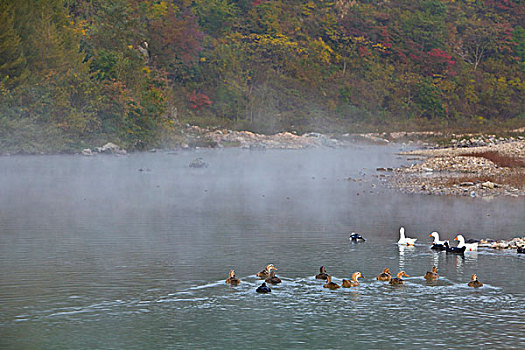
{"x":403,"y":249}
{"x":435,"y":258}
{"x":459,"y":260}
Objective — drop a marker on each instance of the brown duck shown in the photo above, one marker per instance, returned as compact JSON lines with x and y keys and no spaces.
{"x":273,"y":279}
{"x":353,"y":282}
{"x":432,"y":275}
{"x":398,"y":279}
{"x":266,"y":272}
{"x":475,"y":282}
{"x":385,"y":275}
{"x":329,"y":284}
{"x":234,"y":281}
{"x":322,"y":274}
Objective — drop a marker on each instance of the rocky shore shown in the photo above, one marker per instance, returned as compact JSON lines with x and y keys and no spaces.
{"x":513,"y":243}
{"x":485,"y":166}
{"x":467,"y":165}
{"x":248,"y":139}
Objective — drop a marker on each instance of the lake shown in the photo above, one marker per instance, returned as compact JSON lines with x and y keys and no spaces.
{"x":131,"y":252}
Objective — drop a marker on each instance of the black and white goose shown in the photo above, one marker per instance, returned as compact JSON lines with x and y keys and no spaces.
{"x":437,"y":244}
{"x":455,"y":250}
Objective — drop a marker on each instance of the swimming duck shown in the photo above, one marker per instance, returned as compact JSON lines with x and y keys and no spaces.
{"x":405,"y":240}
{"x":398,"y":279}
{"x":353,"y":282}
{"x":430,"y":276}
{"x":437,"y":244}
{"x":273,"y":279}
{"x":263,"y":288}
{"x":456,"y":250}
{"x":322,"y":274}
{"x":234,"y":281}
{"x":469,"y":247}
{"x":385,"y":275}
{"x":356,"y":237}
{"x":329,"y":284}
{"x":475,"y":282}
{"x":520,"y":250}
{"x":266,"y":272}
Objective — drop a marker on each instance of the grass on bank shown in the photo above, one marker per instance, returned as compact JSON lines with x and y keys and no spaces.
{"x":499,"y":159}
{"x":515,"y":176}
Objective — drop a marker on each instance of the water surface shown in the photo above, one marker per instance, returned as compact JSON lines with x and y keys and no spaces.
{"x":132,"y":252}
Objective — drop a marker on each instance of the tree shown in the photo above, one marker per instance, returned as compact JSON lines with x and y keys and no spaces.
{"x":476,"y":43}
{"x":12,"y":59}
{"x":175,"y":41}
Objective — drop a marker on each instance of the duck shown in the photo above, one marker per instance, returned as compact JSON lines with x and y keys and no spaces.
{"x":432,"y":275}
{"x":385,"y":275}
{"x":266,"y":272}
{"x":437,"y":244}
{"x":469,"y":247}
{"x":273,"y":279}
{"x":520,"y":250}
{"x":322,"y":274}
{"x":398,"y":279}
{"x":405,"y":240}
{"x":356,"y":237}
{"x":475,"y":283}
{"x":455,"y":250}
{"x":234,"y":281}
{"x":263,"y":288}
{"x":329,"y":284}
{"x":353,"y":282}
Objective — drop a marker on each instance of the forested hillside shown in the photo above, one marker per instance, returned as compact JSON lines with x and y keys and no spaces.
{"x":82,"y":72}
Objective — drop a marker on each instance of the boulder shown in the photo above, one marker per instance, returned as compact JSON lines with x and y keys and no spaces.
{"x":198,"y":163}
{"x":488,"y":184}
{"x":108,"y":148}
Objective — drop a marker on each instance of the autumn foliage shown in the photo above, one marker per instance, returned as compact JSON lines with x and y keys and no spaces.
{"x":198,"y":100}
{"x":89,"y":70}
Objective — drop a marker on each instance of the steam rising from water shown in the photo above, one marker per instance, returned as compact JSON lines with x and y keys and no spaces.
{"x":95,"y":253}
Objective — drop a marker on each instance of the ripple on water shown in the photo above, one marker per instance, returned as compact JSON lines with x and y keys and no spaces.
{"x":307,"y":307}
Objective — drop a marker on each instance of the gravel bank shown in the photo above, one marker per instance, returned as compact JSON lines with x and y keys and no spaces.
{"x":495,"y":169}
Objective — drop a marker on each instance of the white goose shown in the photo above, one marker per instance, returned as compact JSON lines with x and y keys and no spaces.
{"x":405,"y":240}
{"x":469,"y":247}
{"x":436,"y":238}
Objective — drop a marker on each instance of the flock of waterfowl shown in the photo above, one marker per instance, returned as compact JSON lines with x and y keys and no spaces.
{"x":268,"y":274}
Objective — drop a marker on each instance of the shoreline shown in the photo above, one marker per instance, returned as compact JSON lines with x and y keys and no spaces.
{"x":489,"y":170}
{"x":476,"y":165}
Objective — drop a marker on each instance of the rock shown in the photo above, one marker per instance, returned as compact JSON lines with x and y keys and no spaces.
{"x":500,"y":245}
{"x":466,"y":184}
{"x":109,"y":148}
{"x":87,"y":152}
{"x":198,"y":163}
{"x":488,"y":184}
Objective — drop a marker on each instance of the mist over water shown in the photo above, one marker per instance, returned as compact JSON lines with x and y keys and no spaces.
{"x":132,"y":252}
